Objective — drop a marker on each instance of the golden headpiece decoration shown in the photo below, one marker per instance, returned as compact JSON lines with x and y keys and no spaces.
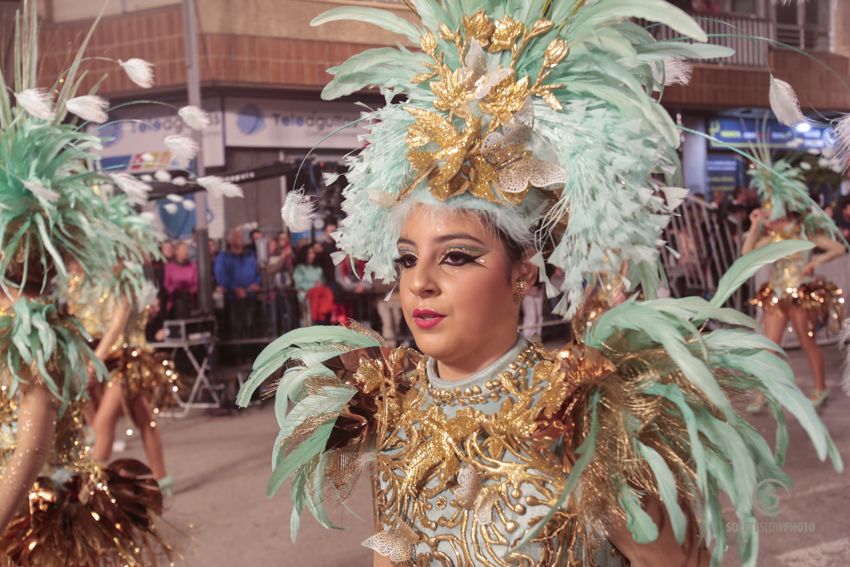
{"x":476,"y":138}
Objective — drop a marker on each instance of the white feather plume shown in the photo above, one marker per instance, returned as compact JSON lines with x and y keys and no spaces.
{"x":139,"y":71}
{"x":136,"y":190}
{"x":217,"y":186}
{"x":784,"y":103}
{"x":36,"y":103}
{"x":297,"y":212}
{"x":194,"y":117}
{"x":182,"y":148}
{"x":171,"y":208}
{"x":677,"y":72}
{"x":89,"y":107}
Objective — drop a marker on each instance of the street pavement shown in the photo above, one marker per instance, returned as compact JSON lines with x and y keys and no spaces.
{"x":220,"y":515}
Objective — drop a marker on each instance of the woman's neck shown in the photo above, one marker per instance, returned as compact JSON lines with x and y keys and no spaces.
{"x":455,"y":371}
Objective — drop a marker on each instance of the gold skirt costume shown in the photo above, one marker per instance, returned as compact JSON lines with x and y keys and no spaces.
{"x":790,"y":287}
{"x":80,"y":513}
{"x":821,"y":299}
{"x":143,"y":372}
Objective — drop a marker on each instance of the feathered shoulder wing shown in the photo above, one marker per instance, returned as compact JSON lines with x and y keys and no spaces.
{"x":338,"y":387}
{"x":645,"y":405}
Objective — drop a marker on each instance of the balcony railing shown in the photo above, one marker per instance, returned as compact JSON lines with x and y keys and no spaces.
{"x":812,"y":38}
{"x":732,"y":31}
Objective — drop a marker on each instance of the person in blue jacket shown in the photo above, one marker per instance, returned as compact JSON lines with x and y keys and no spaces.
{"x":238,"y":278}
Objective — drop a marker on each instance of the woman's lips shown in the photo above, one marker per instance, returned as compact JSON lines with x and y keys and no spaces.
{"x":427,"y":318}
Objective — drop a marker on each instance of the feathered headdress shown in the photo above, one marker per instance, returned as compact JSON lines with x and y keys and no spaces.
{"x":783,"y":190}
{"x":50,"y":210}
{"x":538,"y":114}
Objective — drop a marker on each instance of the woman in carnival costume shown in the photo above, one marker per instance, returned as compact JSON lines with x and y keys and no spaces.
{"x":116,"y":317}
{"x":525,"y":133}
{"x":57,"y":505}
{"x":793,"y":292}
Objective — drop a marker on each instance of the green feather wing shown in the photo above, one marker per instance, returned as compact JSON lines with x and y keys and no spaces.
{"x":309,"y":400}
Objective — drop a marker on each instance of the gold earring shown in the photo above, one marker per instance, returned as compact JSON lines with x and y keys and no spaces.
{"x":520,"y":290}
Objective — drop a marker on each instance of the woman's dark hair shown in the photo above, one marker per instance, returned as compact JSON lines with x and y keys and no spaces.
{"x":515,"y":251}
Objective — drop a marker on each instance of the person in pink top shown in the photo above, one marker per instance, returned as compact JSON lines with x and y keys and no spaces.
{"x":181,"y":282}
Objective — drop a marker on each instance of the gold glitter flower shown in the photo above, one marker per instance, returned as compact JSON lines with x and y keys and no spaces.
{"x":479,"y":27}
{"x":505,"y":35}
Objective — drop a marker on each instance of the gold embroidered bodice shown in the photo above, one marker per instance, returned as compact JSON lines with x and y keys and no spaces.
{"x":462,"y":475}
{"x":95,"y":308}
{"x":789,"y":271}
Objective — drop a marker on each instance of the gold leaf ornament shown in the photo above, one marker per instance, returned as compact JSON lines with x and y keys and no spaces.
{"x":479,"y":27}
{"x":505,"y":35}
{"x":540,"y":27}
{"x":428,"y":43}
{"x":452,"y":91}
{"x":555,"y":53}
{"x":505,"y":99}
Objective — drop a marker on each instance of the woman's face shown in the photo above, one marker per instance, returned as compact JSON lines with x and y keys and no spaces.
{"x":777,"y":224}
{"x":457,"y":288}
{"x":167,"y":250}
{"x":311,"y":256}
{"x":181,"y":253}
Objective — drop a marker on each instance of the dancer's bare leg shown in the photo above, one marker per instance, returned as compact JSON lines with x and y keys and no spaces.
{"x":801,"y":323}
{"x":151,"y":436}
{"x":37,"y":410}
{"x":105,"y":421}
{"x":774,"y":323}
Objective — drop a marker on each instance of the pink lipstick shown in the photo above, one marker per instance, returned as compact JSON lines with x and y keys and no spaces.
{"x":427,"y":318}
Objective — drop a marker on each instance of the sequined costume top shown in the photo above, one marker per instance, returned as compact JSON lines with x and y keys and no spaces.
{"x":95,"y":309}
{"x":789,"y":272}
{"x":460,"y":466}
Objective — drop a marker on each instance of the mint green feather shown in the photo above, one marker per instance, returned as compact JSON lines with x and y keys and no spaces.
{"x":639,"y":523}
{"x":666,"y":482}
{"x":382,"y":67}
{"x":34,"y":336}
{"x":598,"y":14}
{"x":297,"y":343}
{"x":288,"y":463}
{"x":375,"y":16}
{"x":661,"y":50}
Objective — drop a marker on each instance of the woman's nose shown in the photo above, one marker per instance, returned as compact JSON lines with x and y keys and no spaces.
{"x":421,"y":280}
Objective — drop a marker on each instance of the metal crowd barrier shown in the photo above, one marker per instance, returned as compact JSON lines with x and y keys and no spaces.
{"x":701,"y":246}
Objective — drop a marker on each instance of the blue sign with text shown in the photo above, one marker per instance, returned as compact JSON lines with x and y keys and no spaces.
{"x":744,"y":132}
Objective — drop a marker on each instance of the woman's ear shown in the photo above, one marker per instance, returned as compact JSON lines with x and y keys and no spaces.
{"x":526,"y":270}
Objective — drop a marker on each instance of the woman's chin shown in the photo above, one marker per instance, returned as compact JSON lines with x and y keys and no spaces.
{"x":433,"y":344}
